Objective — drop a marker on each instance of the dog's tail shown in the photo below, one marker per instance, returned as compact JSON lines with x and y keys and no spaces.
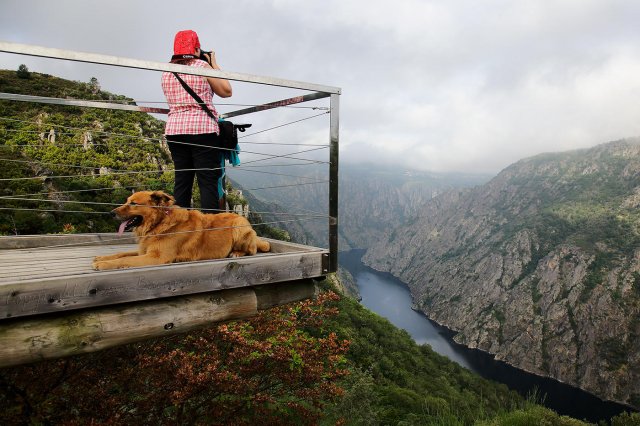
{"x":262,"y":245}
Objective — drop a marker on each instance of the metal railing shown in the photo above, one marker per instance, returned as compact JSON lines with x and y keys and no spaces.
{"x":318,"y":92}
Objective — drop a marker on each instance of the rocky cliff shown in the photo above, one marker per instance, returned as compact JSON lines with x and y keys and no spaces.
{"x":540,"y":266}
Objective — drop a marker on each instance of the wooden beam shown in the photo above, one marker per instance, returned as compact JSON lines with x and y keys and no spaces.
{"x":34,"y":339}
{"x":277,"y":294}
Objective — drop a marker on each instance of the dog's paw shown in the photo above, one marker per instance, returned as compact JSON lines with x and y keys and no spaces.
{"x":236,"y":254}
{"x":99,"y":265}
{"x":96,"y":262}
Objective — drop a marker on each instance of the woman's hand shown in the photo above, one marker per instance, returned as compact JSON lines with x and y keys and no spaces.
{"x":211,"y":59}
{"x":220,"y":87}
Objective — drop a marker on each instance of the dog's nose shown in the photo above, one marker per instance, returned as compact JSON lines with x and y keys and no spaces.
{"x":113,"y":213}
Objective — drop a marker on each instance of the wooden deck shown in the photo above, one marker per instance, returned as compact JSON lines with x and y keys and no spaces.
{"x":52,"y":273}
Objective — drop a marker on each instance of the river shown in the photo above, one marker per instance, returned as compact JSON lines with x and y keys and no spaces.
{"x":390,"y":298}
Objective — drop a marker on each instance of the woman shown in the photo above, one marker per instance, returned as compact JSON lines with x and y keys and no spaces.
{"x":190,"y":131}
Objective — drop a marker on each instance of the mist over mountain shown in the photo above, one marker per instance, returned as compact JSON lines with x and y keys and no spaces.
{"x":371,"y":198}
{"x":540,"y":266}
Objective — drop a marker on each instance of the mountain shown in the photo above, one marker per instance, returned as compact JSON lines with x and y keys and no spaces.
{"x":371,"y":198}
{"x":540,"y":266}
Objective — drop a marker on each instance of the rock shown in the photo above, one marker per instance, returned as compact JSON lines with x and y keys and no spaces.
{"x":540,"y":266}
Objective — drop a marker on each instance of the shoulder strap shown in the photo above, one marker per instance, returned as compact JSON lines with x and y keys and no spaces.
{"x":195,"y":96}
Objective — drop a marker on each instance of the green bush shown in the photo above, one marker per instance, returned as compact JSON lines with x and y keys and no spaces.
{"x":532,"y":416}
{"x":626,"y":419}
{"x":23,"y":72}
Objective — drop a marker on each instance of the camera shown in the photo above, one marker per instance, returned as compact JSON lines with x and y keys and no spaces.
{"x":204,"y":52}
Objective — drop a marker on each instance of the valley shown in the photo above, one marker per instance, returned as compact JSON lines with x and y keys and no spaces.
{"x":535,"y":266}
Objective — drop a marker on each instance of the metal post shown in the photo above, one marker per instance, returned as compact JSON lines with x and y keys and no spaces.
{"x":333,"y":182}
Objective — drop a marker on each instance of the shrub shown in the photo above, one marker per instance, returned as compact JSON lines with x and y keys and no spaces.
{"x":23,"y":71}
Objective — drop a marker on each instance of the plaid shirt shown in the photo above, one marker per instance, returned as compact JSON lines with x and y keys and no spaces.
{"x":186,"y":117}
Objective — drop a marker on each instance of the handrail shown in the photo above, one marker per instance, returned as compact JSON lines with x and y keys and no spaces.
{"x":95,"y":58}
{"x":79,"y":103}
{"x":154,"y":110}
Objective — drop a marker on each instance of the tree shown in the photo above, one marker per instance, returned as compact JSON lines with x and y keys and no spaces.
{"x":23,"y":71}
{"x":626,"y":419}
{"x":94,"y":85}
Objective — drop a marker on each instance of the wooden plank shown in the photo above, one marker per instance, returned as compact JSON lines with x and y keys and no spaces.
{"x":35,"y":339}
{"x":30,"y":256}
{"x":30,"y":259}
{"x":58,"y":269}
{"x":29,"y":267}
{"x":61,"y":252}
{"x":40,"y":262}
{"x":30,"y":241}
{"x":61,"y":241}
{"x":53,"y":294}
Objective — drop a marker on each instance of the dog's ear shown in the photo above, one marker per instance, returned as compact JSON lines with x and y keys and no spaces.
{"x":159,"y":198}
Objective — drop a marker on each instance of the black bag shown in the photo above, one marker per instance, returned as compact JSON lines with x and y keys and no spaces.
{"x":229,"y":133}
{"x":228,"y":137}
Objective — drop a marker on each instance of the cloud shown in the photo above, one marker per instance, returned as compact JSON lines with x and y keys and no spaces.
{"x":447,"y":86}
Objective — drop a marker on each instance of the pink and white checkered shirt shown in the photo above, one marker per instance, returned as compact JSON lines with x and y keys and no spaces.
{"x":186,"y":117}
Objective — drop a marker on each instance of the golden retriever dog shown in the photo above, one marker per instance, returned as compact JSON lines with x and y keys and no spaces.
{"x":167,"y":233}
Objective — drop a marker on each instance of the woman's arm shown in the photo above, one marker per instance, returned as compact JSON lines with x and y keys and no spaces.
{"x":220,"y":86}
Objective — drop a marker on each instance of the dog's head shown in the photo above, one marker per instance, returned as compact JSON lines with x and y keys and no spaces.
{"x":144,"y":208}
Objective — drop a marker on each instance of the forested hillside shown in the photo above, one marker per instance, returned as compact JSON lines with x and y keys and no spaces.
{"x":61,"y":154}
{"x":540,"y":266}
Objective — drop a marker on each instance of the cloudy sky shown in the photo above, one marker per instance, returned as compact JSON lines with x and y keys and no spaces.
{"x":458,"y":85}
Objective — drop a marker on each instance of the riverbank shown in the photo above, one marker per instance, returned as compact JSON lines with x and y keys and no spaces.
{"x":390,"y":298}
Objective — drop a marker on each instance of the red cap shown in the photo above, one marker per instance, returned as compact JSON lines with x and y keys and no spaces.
{"x":185,"y":43}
